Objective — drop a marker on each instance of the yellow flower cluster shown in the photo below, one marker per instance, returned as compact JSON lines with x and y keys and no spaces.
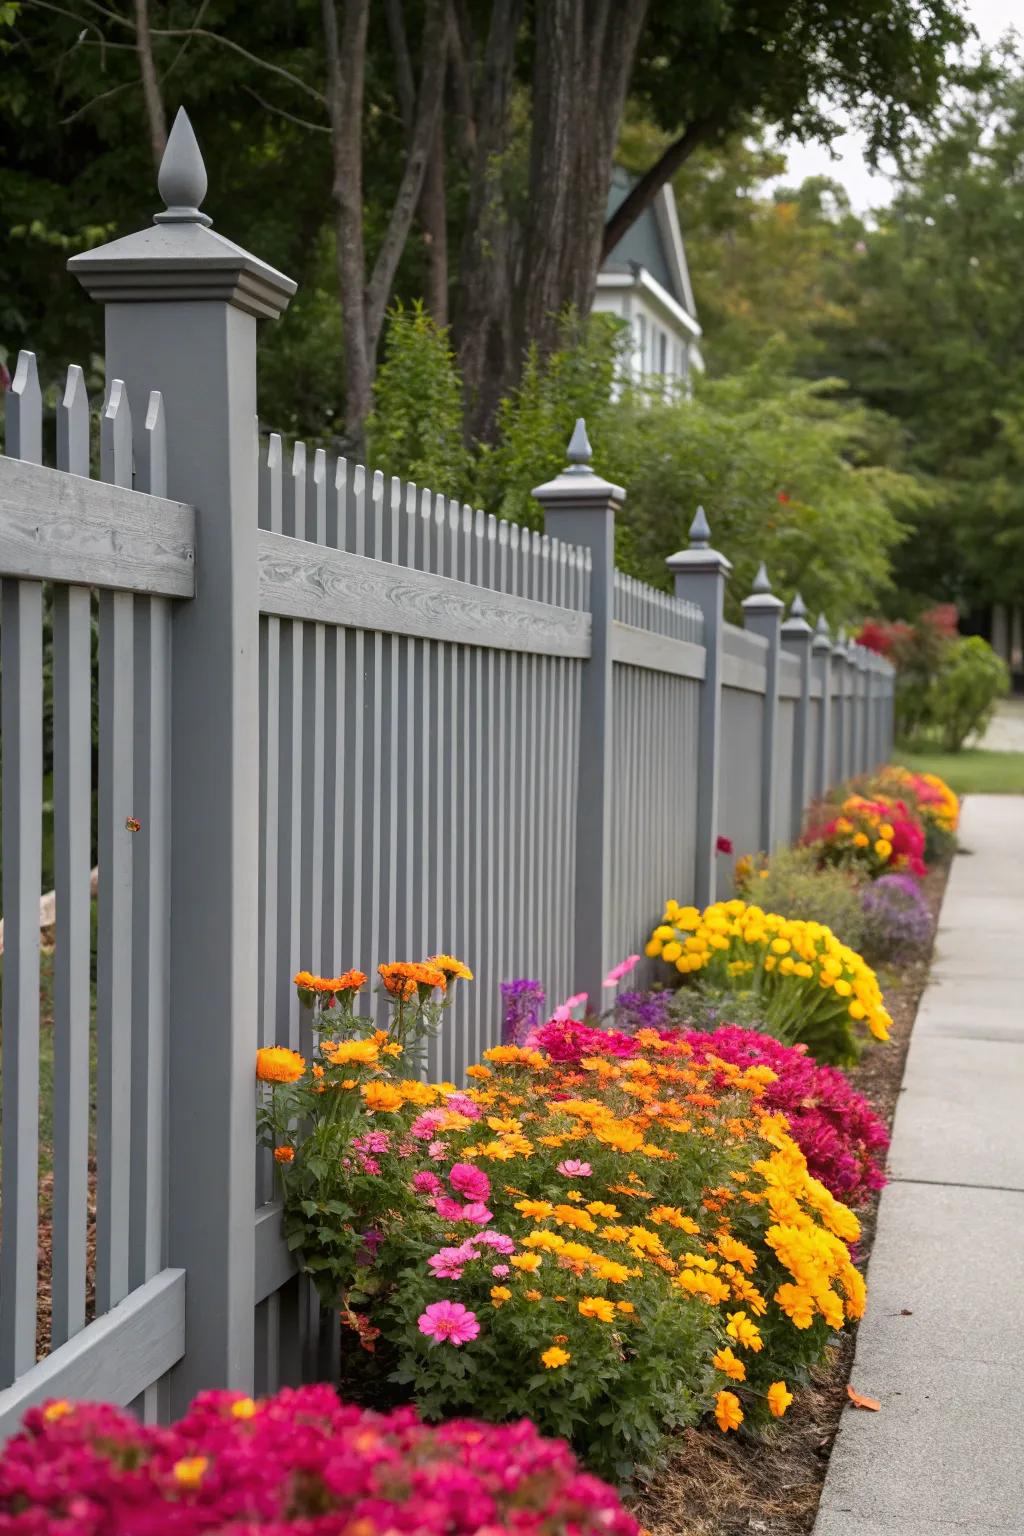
{"x":801,"y":971}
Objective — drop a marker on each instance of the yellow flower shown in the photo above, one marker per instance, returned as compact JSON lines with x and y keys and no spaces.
{"x":744,"y":1331}
{"x":552,"y":1358}
{"x":883,"y":847}
{"x":382,"y":1097}
{"x":58,"y":1410}
{"x":244,"y":1408}
{"x":728,"y":1413}
{"x":535,"y":1210}
{"x":597,"y":1306}
{"x":724,"y":1360}
{"x":188,"y":1472}
{"x":453,"y":969}
{"x":779,"y":1398}
{"x":499,"y":1295}
{"x":277,"y":1064}
{"x":529,"y":1262}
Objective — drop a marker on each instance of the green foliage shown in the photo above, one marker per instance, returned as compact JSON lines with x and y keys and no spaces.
{"x":415,"y":429}
{"x":972,"y":771}
{"x":793,"y":883}
{"x":970,"y":680}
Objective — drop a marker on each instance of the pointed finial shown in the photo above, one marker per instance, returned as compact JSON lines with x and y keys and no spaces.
{"x":700,"y":531}
{"x":761,"y":582}
{"x":821,"y":628}
{"x":798,"y":608}
{"x":579,"y":452}
{"x":182,"y":176}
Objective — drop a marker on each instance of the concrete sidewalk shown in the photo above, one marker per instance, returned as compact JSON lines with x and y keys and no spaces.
{"x":942,"y":1344}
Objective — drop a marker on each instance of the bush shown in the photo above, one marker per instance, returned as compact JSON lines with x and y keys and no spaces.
{"x":875,"y":836}
{"x":564,"y":1240}
{"x":897,"y":922}
{"x":416,"y":426}
{"x":970,"y":680}
{"x":793,"y":884}
{"x":301,"y":1461}
{"x":805,"y":985}
{"x":936,"y":805}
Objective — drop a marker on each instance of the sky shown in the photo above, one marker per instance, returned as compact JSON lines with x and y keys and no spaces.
{"x":992,"y":18}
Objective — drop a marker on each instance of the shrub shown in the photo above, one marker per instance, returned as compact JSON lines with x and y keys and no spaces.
{"x":936,"y":805}
{"x":301,"y":1461}
{"x":807,"y":985}
{"x":897,"y":922}
{"x":415,"y":429}
{"x":606,"y":1244}
{"x":793,"y":884}
{"x":874,"y":836}
{"x":970,"y":679}
{"x":835,"y":1128}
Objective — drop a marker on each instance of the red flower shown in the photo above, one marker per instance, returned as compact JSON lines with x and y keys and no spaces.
{"x":723,"y":845}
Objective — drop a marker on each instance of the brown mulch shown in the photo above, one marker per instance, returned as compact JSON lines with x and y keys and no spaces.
{"x":44,"y":1272}
{"x":732,"y":1485}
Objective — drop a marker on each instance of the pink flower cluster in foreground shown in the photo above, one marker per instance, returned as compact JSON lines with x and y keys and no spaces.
{"x":298,"y":1464}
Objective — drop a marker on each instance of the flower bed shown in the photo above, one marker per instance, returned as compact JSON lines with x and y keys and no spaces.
{"x":300,"y":1462}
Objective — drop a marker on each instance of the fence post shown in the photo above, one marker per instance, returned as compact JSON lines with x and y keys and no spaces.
{"x":863,"y":686}
{"x":762,"y":615}
{"x":579,"y":508}
{"x":839,"y":705}
{"x":796,"y":637}
{"x":181,"y":311}
{"x":700,"y":574}
{"x":821,"y":655}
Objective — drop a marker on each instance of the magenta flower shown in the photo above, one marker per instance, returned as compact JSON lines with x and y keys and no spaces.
{"x":496,"y":1240}
{"x":449,"y":1322}
{"x":448,"y":1263}
{"x":424,"y":1126}
{"x":574,"y":1169}
{"x":462,"y":1104}
{"x":565,"y":1010}
{"x":469,"y":1181}
{"x":499,"y":1270}
{"x":447,"y":1208}
{"x":426,"y":1183}
{"x":623,"y":968}
{"x":477,"y":1213}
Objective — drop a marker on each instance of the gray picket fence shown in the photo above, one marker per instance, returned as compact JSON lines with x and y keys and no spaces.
{"x":341,"y":720}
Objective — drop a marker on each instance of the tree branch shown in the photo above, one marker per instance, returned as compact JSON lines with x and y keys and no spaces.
{"x":405,"y":85}
{"x":428,"y":106}
{"x":651,"y":182}
{"x":253,"y":58}
{"x":300,"y":122}
{"x":150,"y":85}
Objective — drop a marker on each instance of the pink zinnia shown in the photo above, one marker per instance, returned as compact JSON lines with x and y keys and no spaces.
{"x":496,"y":1240}
{"x":424,"y":1126}
{"x":623,"y":968}
{"x":469,"y":1181}
{"x":437,"y":1151}
{"x":574,"y":1169}
{"x":447,"y":1208}
{"x":426,"y":1183}
{"x":462,"y":1105}
{"x":499,"y":1270}
{"x":448,"y":1263}
{"x":477,"y":1213}
{"x":449,"y":1322}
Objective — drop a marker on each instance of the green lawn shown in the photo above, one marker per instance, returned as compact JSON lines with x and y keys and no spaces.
{"x":973,"y":771}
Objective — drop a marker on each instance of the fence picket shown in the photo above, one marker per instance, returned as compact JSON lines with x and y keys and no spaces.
{"x":72,"y":857}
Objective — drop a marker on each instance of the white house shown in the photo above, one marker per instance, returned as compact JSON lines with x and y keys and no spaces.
{"x":645,"y":281}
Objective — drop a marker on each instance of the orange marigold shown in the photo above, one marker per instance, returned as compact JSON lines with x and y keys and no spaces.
{"x":278,"y":1064}
{"x":382,"y":1096}
{"x":284,"y":1154}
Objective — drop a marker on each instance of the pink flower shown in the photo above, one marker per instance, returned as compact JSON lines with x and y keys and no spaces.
{"x":426,"y":1183}
{"x":499,"y":1270}
{"x":623,"y":968}
{"x":574,"y":1169}
{"x":448,"y":1263}
{"x":496,"y":1240}
{"x":469,"y":1181}
{"x":477,"y":1213}
{"x":447,"y":1208}
{"x":437,"y":1151}
{"x":461,"y":1104}
{"x":449,"y":1322}
{"x":565,"y":1010}
{"x":424,"y":1126}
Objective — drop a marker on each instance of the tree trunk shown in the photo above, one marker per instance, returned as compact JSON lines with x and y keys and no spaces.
{"x":155,"y":116}
{"x":346,"y":67}
{"x":433,"y":217}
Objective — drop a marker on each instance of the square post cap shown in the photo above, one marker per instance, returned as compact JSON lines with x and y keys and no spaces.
{"x":180,"y":257}
{"x":700,"y":557}
{"x":762,"y":599}
{"x":577,"y":485}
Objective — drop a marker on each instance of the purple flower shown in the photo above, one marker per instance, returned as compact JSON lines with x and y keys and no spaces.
{"x":643,"y":1010}
{"x":522,"y":1009}
{"x":898,"y":923}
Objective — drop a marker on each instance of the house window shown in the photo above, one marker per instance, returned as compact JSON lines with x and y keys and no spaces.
{"x":662,"y":353}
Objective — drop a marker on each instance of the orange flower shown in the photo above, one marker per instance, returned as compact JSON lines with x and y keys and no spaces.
{"x":382,"y":1097}
{"x":277,"y":1064}
{"x":347,"y":1051}
{"x":728,"y":1413}
{"x":57,"y":1410}
{"x":779,"y":1398}
{"x":188,"y":1472}
{"x":726,"y":1362}
{"x":284,"y":1154}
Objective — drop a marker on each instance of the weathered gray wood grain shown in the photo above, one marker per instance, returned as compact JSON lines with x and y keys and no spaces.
{"x":65,"y":528}
{"x":300,"y":580}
